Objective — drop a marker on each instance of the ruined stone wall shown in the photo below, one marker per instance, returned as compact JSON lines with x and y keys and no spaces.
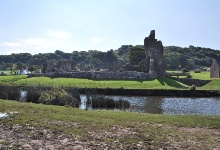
{"x":154,"y":53}
{"x":47,"y":67}
{"x":144,"y":65}
{"x":65,"y":65}
{"x":61,"y":65}
{"x":214,"y":70}
{"x":102,"y":75}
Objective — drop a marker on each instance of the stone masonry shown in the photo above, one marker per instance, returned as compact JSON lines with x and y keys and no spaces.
{"x":60,"y":66}
{"x":215,"y":69}
{"x":154,"y":55}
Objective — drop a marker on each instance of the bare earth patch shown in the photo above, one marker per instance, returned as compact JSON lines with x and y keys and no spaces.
{"x":142,"y":136}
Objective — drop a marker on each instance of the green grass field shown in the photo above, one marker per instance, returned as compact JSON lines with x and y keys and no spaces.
{"x":11,"y":78}
{"x":201,"y":76}
{"x":159,"y":83}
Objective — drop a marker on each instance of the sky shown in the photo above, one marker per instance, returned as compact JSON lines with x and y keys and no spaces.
{"x":44,"y":26}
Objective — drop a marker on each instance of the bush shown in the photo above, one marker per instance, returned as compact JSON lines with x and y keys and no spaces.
{"x":9,"y":92}
{"x":184,"y":70}
{"x":189,"y":76}
{"x":33,"y":95}
{"x":3,"y":95}
{"x":197,"y":71}
{"x":193,"y":87}
{"x":58,"y":96}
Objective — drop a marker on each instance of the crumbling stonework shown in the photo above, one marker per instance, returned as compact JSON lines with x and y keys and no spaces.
{"x":82,"y":67}
{"x":66,"y":65}
{"x":116,"y":66}
{"x":102,"y":75}
{"x":108,"y":66}
{"x":60,"y":66}
{"x":154,"y":55}
{"x":215,"y":69}
{"x":143,"y":67}
{"x":47,"y":67}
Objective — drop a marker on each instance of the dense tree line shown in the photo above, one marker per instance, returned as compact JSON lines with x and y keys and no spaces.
{"x":174,"y":57}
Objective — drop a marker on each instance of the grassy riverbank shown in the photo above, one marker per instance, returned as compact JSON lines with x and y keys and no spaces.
{"x":100,"y":129}
{"x":159,"y":83}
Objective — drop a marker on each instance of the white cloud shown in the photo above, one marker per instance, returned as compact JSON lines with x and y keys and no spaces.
{"x":10,"y":44}
{"x":59,"y":34}
{"x":35,"y":42}
{"x":25,"y":42}
{"x":95,"y":40}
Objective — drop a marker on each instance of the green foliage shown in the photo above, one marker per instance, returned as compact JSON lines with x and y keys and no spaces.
{"x":9,"y":92}
{"x":190,"y":58}
{"x":193,"y":87}
{"x":56,"y":96}
{"x":184,"y":70}
{"x":135,"y":55}
{"x":9,"y":65}
{"x":33,"y":68}
{"x":20,"y":66}
{"x":175,"y":57}
{"x":33,"y":94}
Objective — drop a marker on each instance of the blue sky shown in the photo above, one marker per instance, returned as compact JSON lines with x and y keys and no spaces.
{"x":43,"y":26}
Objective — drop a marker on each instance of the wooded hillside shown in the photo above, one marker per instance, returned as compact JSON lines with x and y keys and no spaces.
{"x":174,"y":57}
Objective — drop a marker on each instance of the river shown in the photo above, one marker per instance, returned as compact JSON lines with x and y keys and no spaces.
{"x":168,"y":105}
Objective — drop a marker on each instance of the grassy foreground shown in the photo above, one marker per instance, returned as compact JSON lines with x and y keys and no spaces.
{"x":106,"y":129}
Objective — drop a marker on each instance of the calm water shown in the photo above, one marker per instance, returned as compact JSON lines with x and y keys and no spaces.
{"x":169,"y":105}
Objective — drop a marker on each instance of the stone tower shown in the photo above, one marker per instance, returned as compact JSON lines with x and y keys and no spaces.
{"x":154,"y":55}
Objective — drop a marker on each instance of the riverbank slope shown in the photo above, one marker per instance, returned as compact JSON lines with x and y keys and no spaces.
{"x":39,"y":126}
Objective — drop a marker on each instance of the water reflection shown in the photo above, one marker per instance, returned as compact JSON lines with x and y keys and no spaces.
{"x":203,"y":106}
{"x":169,"y":105}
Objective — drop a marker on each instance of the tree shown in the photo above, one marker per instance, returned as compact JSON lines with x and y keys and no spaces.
{"x":2,"y":66}
{"x":135,"y":55}
{"x":111,"y":56}
{"x":33,"y":68}
{"x":9,"y":65}
{"x":20,"y":66}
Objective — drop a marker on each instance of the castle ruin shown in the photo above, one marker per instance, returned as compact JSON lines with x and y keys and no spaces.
{"x":151,"y":67}
{"x":153,"y":62}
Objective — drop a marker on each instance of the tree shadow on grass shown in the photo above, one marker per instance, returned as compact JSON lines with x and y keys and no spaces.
{"x":170,"y":82}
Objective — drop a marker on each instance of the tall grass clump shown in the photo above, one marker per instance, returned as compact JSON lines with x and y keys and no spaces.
{"x":9,"y":92}
{"x":33,"y":94}
{"x":58,"y":96}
